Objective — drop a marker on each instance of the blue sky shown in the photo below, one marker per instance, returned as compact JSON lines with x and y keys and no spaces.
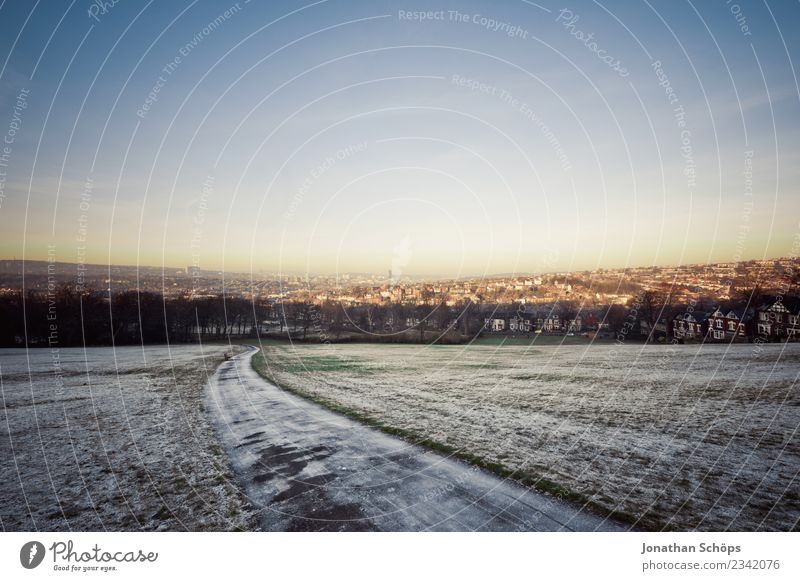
{"x":351,"y":136}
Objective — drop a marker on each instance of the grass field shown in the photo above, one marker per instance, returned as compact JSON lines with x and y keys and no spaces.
{"x":679,"y":437}
{"x":113,"y":439}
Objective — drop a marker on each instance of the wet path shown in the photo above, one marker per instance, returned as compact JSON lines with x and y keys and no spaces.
{"x":306,"y":468}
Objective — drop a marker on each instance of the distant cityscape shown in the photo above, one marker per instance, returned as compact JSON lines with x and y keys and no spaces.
{"x":68,"y":304}
{"x":686,"y":283}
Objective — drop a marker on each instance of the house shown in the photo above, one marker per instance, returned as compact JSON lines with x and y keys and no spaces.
{"x":575,"y":325}
{"x":592,"y":322}
{"x":550,"y":323}
{"x":520,"y":323}
{"x":686,"y":327}
{"x":514,"y":322}
{"x":727,"y":327}
{"x":654,"y":331}
{"x":778,"y":321}
{"x":554,"y":323}
{"x":495,"y":324}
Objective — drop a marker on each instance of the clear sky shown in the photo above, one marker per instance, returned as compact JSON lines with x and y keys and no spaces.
{"x":341,"y":136}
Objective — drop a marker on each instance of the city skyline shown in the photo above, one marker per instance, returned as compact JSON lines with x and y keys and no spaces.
{"x":441,"y":141}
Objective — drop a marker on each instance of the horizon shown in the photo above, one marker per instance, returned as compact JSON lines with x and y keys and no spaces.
{"x":412,"y":276}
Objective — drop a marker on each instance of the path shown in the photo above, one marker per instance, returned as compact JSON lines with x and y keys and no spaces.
{"x":307,"y":468}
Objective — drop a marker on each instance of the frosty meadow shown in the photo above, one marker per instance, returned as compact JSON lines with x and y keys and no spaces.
{"x":695,"y":437}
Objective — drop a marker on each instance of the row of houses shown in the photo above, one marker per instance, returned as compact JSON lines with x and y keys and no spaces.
{"x":775,"y":321}
{"x":531,"y":322}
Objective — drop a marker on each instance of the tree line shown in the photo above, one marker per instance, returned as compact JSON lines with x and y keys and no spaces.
{"x":68,"y":318}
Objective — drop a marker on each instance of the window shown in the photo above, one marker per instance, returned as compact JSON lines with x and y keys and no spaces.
{"x":718,"y":323}
{"x":731,"y":326}
{"x":719,"y":335}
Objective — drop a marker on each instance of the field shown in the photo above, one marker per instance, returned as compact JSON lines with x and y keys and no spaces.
{"x":112,"y":439}
{"x":665,"y":437}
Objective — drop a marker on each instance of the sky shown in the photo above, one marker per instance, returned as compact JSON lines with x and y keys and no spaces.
{"x":423,"y":138}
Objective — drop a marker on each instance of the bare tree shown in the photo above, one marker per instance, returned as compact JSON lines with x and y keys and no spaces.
{"x":749,"y":297}
{"x":652,"y":305}
{"x":567,"y":311}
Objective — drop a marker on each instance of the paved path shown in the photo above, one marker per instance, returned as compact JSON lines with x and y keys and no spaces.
{"x":307,"y":468}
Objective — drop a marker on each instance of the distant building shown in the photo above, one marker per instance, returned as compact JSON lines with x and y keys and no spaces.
{"x":686,"y":328}
{"x":554,"y":323}
{"x":495,"y":324}
{"x":512,"y":322}
{"x":520,"y":323}
{"x":550,"y":323}
{"x":778,"y":321}
{"x":725,"y":327}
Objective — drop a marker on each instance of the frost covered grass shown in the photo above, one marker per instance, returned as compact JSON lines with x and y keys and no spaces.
{"x":113,"y":439}
{"x":663,"y":437}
